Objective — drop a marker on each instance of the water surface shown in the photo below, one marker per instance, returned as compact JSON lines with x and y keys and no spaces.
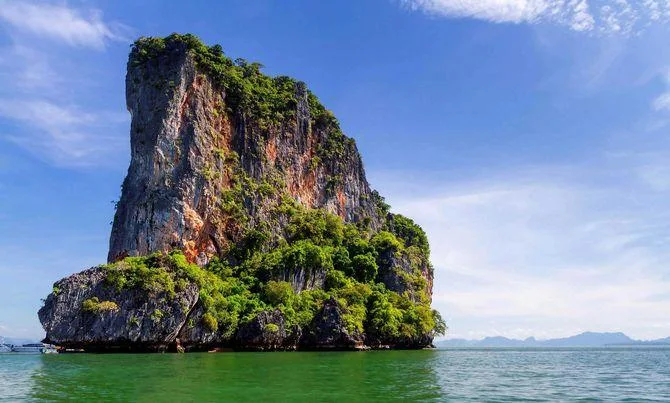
{"x":640,"y":374}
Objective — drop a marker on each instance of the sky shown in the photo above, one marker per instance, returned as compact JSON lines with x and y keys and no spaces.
{"x":528,"y":137}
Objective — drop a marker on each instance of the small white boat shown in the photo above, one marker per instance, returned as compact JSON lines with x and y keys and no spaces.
{"x":4,"y":348}
{"x":35,"y":348}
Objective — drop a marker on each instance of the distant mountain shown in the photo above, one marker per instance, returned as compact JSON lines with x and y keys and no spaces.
{"x":499,"y":341}
{"x":658,"y":342}
{"x":586,"y":339}
{"x":455,"y":343}
{"x":590,"y":339}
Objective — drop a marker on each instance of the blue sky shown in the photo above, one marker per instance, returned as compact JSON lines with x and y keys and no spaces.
{"x":528,"y":137}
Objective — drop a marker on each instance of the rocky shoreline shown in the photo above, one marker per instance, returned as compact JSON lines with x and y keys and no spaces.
{"x":118,"y":327}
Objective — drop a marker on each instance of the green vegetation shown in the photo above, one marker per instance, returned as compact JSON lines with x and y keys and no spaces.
{"x":144,"y":273}
{"x":270,"y":100}
{"x":94,"y":305}
{"x":405,"y":229}
{"x":233,"y":291}
{"x":210,"y":322}
{"x":135,"y":321}
{"x":157,"y":315}
{"x":278,"y":292}
{"x":365,"y":267}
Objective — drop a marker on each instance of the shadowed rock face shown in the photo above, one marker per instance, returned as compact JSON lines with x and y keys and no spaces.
{"x":152,"y":322}
{"x":268,"y":331}
{"x":184,"y":134}
{"x":328,"y":330}
{"x":139,"y":320}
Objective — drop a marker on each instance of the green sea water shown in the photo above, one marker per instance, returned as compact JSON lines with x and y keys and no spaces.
{"x":639,"y":374}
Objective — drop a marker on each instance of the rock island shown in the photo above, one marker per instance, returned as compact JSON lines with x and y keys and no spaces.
{"x":245,"y":221}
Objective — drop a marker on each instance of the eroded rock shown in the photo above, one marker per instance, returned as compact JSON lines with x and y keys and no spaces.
{"x":328,"y":330}
{"x":137,"y":320}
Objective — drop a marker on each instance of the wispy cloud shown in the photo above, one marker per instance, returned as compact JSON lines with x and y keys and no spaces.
{"x":43,"y":90}
{"x":662,"y":102}
{"x":27,"y":68}
{"x":61,"y":23}
{"x":43,"y":114}
{"x":618,"y":16}
{"x":65,"y":135}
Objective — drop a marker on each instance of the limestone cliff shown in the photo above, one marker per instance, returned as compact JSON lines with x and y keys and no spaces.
{"x":245,"y":221}
{"x":190,"y":135}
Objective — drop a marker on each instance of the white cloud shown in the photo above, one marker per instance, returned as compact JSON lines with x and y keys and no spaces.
{"x":662,"y":102}
{"x":493,"y":10}
{"x":44,"y":88}
{"x":64,"y":135}
{"x":547,"y":252}
{"x":60,"y":22}
{"x":43,"y":114}
{"x":617,"y":16}
{"x":27,"y":68}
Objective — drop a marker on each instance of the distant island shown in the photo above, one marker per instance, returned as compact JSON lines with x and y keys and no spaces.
{"x":586,"y":339}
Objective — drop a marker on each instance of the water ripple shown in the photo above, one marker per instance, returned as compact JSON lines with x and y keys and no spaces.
{"x":493,"y":375}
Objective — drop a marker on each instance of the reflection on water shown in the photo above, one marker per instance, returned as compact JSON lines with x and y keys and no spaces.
{"x":237,"y":376}
{"x":459,"y":375}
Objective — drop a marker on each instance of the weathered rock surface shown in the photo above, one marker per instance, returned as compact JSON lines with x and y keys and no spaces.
{"x":304,"y":278}
{"x":194,"y":335}
{"x":139,"y":321}
{"x":268,"y":331}
{"x":182,"y":131}
{"x":146,"y":322}
{"x":328,"y":331}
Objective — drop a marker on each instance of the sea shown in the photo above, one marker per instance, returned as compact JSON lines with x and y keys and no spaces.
{"x":459,"y":375}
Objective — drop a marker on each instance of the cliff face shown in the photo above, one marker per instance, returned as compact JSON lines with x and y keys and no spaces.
{"x":245,"y":221}
{"x":189,"y":142}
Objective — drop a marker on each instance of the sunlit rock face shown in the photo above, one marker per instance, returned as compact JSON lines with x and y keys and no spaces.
{"x":189,"y":142}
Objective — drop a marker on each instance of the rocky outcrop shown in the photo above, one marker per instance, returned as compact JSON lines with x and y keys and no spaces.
{"x":85,"y":312}
{"x":268,"y":331}
{"x":196,"y":335}
{"x":188,"y":139}
{"x":304,"y":278}
{"x":245,"y":221}
{"x":138,"y":321}
{"x":328,"y":330}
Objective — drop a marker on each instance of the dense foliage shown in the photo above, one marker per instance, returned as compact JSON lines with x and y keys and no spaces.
{"x":94,"y":305}
{"x":316,"y":241}
{"x":270,"y":100}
